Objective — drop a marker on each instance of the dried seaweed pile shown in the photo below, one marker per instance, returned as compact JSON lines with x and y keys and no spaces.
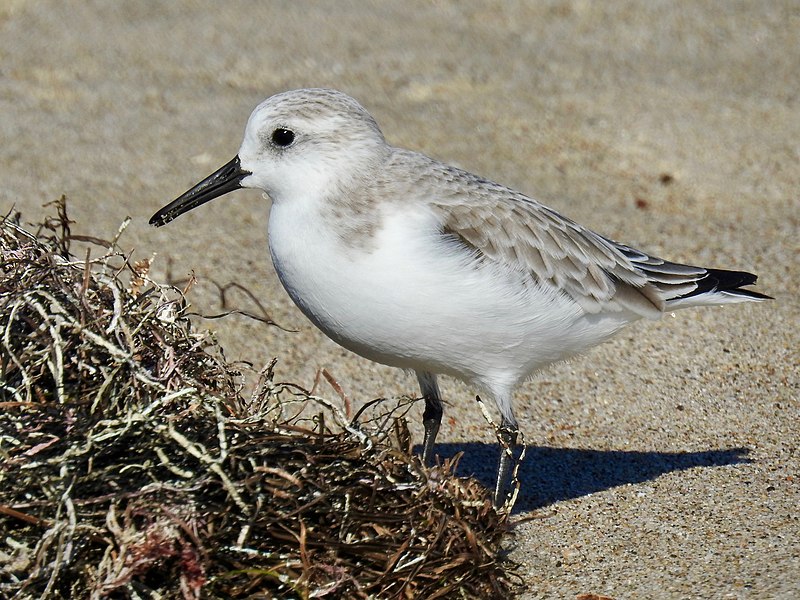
{"x":133,"y":466}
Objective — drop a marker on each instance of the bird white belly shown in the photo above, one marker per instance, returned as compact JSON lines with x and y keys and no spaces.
{"x":412,"y":300}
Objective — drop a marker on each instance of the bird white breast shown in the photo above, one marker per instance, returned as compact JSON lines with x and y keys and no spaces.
{"x":410,"y":298}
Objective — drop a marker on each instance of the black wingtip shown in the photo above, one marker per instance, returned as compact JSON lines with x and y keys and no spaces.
{"x":721,"y":280}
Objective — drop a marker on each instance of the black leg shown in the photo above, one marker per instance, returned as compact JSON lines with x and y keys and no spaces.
{"x":432,"y":417}
{"x":508,"y":441}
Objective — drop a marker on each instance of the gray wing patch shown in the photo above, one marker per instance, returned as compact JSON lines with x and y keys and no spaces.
{"x":598,"y":273}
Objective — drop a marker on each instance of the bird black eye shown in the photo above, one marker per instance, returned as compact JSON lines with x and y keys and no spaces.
{"x":282,"y":137}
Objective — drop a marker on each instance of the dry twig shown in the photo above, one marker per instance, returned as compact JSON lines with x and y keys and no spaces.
{"x":132,"y":466}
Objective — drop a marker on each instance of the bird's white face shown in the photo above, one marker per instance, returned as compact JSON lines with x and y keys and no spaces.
{"x":303,"y":144}
{"x":296,"y":146}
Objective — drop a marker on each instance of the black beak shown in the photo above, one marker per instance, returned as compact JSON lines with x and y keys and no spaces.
{"x":222,"y":181}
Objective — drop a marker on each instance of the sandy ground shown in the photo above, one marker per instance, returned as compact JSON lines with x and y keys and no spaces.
{"x":664,"y":464}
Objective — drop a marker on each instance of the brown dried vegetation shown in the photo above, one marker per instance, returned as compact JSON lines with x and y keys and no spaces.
{"x":134,"y":466}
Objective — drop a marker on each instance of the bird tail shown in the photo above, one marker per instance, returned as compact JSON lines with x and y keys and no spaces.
{"x":719,"y":286}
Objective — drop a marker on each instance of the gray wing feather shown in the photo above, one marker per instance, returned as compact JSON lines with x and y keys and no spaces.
{"x":596,"y":272}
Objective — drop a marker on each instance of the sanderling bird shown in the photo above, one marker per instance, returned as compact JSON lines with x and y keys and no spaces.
{"x":418,"y":265}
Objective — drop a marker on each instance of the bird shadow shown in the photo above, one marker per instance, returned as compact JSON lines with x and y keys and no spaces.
{"x":548,"y":475}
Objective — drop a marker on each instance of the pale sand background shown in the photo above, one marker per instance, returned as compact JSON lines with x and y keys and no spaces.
{"x":665,"y":463}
